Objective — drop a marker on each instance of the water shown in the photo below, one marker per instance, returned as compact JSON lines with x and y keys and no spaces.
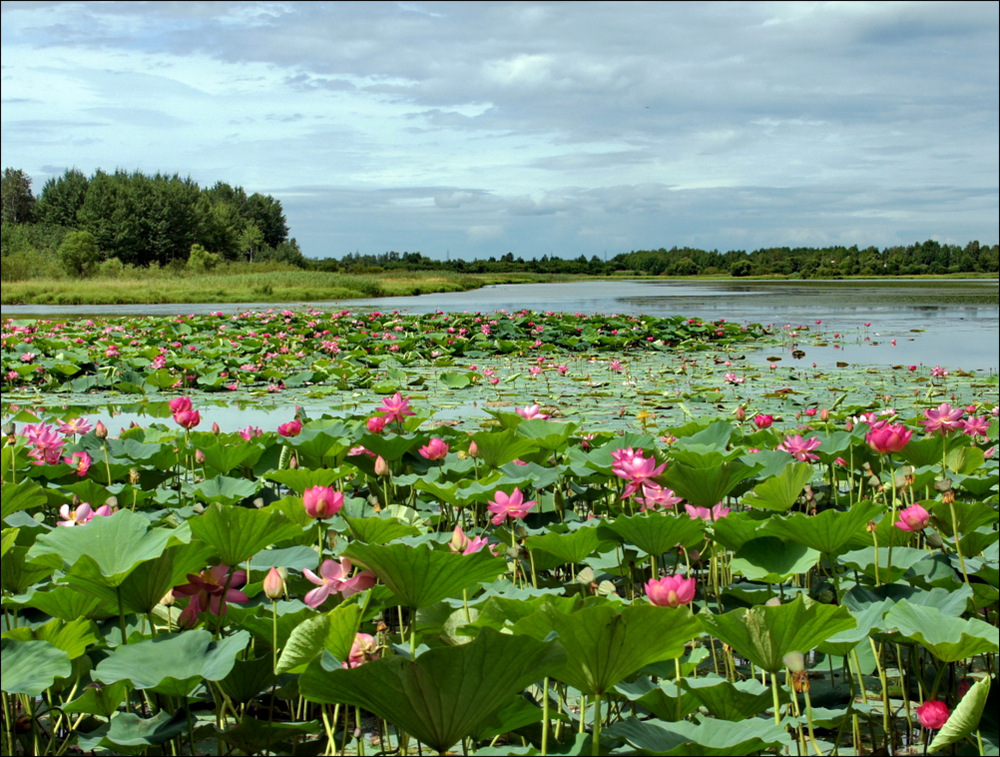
{"x":950,"y":323}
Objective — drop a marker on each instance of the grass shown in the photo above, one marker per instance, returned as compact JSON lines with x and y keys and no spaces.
{"x":238,"y":284}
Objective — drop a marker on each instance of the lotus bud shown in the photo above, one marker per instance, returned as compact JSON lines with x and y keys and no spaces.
{"x":133,"y":476}
{"x":101,"y":431}
{"x":169,"y":600}
{"x":473,"y":449}
{"x":215,"y":429}
{"x":274,"y":584}
{"x":824,"y":414}
{"x":741,"y":413}
{"x":381,"y":466}
{"x":199,"y":457}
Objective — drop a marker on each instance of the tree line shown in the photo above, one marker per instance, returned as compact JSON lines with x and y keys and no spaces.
{"x":108,"y":221}
{"x":139,"y":220}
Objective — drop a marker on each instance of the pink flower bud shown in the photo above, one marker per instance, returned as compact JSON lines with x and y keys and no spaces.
{"x":933,"y":714}
{"x":381,"y":466}
{"x":274,"y":584}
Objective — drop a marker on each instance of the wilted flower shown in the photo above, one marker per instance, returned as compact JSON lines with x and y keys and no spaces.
{"x":363,"y":649}
{"x":322,"y":501}
{"x":670,"y":591}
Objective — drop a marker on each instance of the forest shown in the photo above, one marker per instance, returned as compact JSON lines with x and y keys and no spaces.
{"x":110,"y":223}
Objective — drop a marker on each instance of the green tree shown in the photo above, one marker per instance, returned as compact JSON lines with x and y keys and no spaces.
{"x":16,"y":201}
{"x":201,"y":260}
{"x":79,"y":253}
{"x":251,"y":241}
{"x":61,"y":199}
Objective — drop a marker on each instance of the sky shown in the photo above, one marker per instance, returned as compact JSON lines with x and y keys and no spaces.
{"x":473,"y":129}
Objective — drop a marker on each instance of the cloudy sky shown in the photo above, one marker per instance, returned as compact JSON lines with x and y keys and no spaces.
{"x":474,"y":129}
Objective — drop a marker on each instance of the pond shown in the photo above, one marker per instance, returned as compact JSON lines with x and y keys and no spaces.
{"x":952,"y":323}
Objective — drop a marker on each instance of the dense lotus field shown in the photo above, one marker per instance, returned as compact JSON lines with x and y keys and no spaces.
{"x":527,"y":533}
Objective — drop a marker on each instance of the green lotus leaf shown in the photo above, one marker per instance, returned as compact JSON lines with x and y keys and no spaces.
{"x":222,"y":458}
{"x":238,"y":533}
{"x":655,"y":533}
{"x":126,"y":729}
{"x":254,"y":735}
{"x":736,"y":529}
{"x":660,"y":699}
{"x":782,"y":491}
{"x":225,"y":490}
{"x":8,"y":540}
{"x":172,"y":664}
{"x":99,"y":700}
{"x":69,"y":603}
{"x":707,"y":484}
{"x":248,"y":678}
{"x":378,"y":530}
{"x":444,"y":695}
{"x":606,"y":643}
{"x":711,"y":737}
{"x":23,"y":495}
{"x":498,"y":448}
{"x":903,"y":558}
{"x":72,"y":637}
{"x":570,"y":547}
{"x":114,"y":546}
{"x":764,"y":635}
{"x":30,"y":667}
{"x":300,"y":479}
{"x":732,"y":701}
{"x":964,"y":721}
{"x":420,"y":576}
{"x":948,"y":638}
{"x":772,"y":560}
{"x":333,"y":631}
{"x":828,"y":531}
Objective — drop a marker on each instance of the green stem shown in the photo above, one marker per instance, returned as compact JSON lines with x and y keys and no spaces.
{"x":776,"y":699}
{"x":595,"y":744}
{"x":545,"y":716}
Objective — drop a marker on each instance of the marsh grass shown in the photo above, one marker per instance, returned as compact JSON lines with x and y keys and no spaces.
{"x":242,"y":283}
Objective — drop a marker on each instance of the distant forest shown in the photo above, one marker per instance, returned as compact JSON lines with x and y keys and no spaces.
{"x":100,"y":225}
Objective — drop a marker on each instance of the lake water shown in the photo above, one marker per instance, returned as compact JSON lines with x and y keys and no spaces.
{"x":949,"y":323}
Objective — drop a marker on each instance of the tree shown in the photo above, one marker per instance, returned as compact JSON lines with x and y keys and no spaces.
{"x":251,"y":241}
{"x":79,"y":253}
{"x":18,"y":204}
{"x":62,"y":198}
{"x":201,"y":260}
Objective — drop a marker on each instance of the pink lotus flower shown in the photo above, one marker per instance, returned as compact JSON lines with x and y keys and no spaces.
{"x":435,"y":449}
{"x":74,"y":427}
{"x":208,"y":591}
{"x":79,"y":462}
{"x":655,"y":496}
{"x":670,"y":591}
{"x":933,"y":714}
{"x":460,"y":542}
{"x":322,"y":502}
{"x":800,"y":448}
{"x":887,"y":439}
{"x":913,"y":518}
{"x":943,"y":419}
{"x":637,"y":470}
{"x":249,"y":432}
{"x":187,"y":418}
{"x":511,"y":506}
{"x":396,"y":408}
{"x":531,"y":412}
{"x":763,"y":421}
{"x":976,"y":426}
{"x":334,"y":578}
{"x":274,"y":584}
{"x":81,"y":514}
{"x":363,"y":649}
{"x":180,"y":404}
{"x":292,"y":428}
{"x":376,"y":424}
{"x":717,"y":512}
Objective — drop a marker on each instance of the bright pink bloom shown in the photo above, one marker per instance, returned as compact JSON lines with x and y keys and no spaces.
{"x":396,"y":408}
{"x":334,"y":578}
{"x":80,"y":462}
{"x":292,"y":428}
{"x":435,"y":449}
{"x":208,"y":591}
{"x":913,"y":518}
{"x":249,"y":432}
{"x":933,"y":714}
{"x":531,"y":412}
{"x":976,"y":426}
{"x":670,"y":591}
{"x":717,"y":512}
{"x":511,"y":506}
{"x":322,"y":501}
{"x":187,"y":418}
{"x":376,"y":424}
{"x":800,"y":448}
{"x":763,"y":421}
{"x":636,"y":469}
{"x":180,"y":404}
{"x":655,"y":496}
{"x":887,"y":439}
{"x":74,"y":427}
{"x":944,"y":418}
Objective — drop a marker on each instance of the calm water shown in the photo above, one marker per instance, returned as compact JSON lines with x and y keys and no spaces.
{"x":949,"y":323}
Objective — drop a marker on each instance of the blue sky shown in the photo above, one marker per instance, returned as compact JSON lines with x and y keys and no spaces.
{"x":474,"y":129}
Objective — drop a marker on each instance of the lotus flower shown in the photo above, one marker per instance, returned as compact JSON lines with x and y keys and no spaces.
{"x":887,"y":439}
{"x":292,"y":428}
{"x":670,"y":591}
{"x":322,"y":501}
{"x":913,"y":518}
{"x":208,"y":591}
{"x":395,"y":408}
{"x":800,"y":448}
{"x":512,"y":506}
{"x":718,"y":511}
{"x":435,"y":449}
{"x":943,"y":418}
{"x":933,"y":714}
{"x":363,"y":649}
{"x":531,"y":412}
{"x":334,"y":578}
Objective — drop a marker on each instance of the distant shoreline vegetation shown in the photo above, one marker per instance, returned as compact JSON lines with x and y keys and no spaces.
{"x":87,"y":240}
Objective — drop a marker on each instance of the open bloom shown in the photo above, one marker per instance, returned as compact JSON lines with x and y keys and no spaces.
{"x":81,"y":514}
{"x":718,"y":511}
{"x":943,"y":418}
{"x":635,"y":468}
{"x":532,"y":412}
{"x":511,"y":505}
{"x":887,"y":439}
{"x":79,"y":462}
{"x":435,"y":449}
{"x":913,"y":518}
{"x":335,"y":578}
{"x":322,"y":501}
{"x":363,"y":649}
{"x":74,"y":427}
{"x":210,"y":590}
{"x":670,"y":591}
{"x":395,"y":408}
{"x":800,"y":448}
{"x":933,"y":714}
{"x":655,"y":496}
